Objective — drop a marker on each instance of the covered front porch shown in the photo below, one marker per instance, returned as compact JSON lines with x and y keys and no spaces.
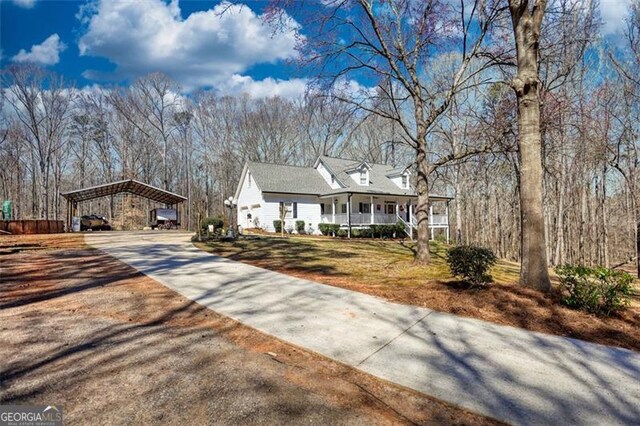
{"x":359,"y":210}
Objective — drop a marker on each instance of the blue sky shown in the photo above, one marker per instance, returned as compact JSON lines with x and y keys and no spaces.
{"x":115,"y":41}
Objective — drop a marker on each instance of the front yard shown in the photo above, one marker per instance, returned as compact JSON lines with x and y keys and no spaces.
{"x":386,"y":269}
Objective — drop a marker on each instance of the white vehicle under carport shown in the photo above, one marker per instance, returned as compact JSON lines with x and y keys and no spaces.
{"x":164,"y":219}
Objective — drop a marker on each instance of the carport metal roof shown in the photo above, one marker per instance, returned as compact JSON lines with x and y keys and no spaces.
{"x":129,"y":185}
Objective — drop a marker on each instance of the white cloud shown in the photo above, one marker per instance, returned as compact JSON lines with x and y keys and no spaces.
{"x":239,"y":84}
{"x":27,"y":4}
{"x":613,"y":14}
{"x":47,"y":53}
{"x":207,"y":49}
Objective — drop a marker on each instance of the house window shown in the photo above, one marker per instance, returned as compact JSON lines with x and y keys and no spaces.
{"x":290,"y":210}
{"x":363,"y":177}
{"x":365,"y":208}
{"x":249,"y":180}
{"x":343,"y":208}
{"x":404,"y":181}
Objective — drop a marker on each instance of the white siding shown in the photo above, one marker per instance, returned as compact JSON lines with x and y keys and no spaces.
{"x":308,"y":210}
{"x":250,"y":200}
{"x":326,"y":175}
{"x":356,"y":177}
{"x":398,"y":181}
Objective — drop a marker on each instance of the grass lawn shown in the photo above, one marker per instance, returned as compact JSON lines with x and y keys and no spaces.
{"x":386,"y":269}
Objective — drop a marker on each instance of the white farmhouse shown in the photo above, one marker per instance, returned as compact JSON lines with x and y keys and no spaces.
{"x":339,"y":191}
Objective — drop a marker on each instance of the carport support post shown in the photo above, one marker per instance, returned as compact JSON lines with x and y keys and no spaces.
{"x":74,"y":210}
{"x":68,"y":215}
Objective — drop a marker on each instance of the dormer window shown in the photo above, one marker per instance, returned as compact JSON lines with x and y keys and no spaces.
{"x":333,"y":179}
{"x":249,"y":180}
{"x":404,"y":181}
{"x":363,"y":177}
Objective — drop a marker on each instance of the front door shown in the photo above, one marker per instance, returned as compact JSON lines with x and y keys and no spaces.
{"x":390,"y":208}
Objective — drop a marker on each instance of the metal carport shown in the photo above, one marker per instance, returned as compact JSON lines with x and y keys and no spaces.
{"x":130,"y":186}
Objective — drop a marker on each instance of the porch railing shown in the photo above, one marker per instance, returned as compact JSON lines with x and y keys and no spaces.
{"x":360,"y":218}
{"x":434,"y":220}
{"x":380,"y":218}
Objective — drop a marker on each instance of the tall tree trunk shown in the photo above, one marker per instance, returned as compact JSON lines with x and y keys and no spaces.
{"x":526,"y":25}
{"x":603,"y":220}
{"x":558,"y":258}
{"x":422,"y":209}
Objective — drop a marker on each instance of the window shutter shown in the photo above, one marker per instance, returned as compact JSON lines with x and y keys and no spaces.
{"x":295,"y":210}
{"x":321,"y":208}
{"x":281,"y":210}
{"x":360,"y":208}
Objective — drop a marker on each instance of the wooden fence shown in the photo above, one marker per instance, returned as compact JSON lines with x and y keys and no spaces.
{"x":32,"y":226}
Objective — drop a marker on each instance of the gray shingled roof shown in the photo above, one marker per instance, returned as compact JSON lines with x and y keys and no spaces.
{"x":306,"y":180}
{"x":379,"y":183}
{"x":287,"y":179}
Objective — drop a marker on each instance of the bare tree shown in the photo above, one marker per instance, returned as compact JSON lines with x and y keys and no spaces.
{"x":41,"y":103}
{"x":397,"y":43}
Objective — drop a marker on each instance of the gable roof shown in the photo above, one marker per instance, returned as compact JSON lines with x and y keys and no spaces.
{"x":379,"y":183}
{"x":284,"y":179}
{"x":129,"y":185}
{"x":287,"y":179}
{"x":398,"y":171}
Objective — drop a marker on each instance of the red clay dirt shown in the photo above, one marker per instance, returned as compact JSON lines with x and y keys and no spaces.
{"x":83,"y":330}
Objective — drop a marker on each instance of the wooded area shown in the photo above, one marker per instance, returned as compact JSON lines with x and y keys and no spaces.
{"x":458,"y":112}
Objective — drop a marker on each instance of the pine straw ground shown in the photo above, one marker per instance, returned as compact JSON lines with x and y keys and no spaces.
{"x":385,"y":269}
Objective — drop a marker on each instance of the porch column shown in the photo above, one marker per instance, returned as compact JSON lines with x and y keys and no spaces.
{"x":431,"y":228}
{"x":349,"y":215}
{"x":371,"y":199}
{"x":410,"y":214}
{"x":333,"y":210}
{"x":397,"y":209}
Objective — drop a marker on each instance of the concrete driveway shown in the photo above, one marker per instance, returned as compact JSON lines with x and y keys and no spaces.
{"x":510,"y":374}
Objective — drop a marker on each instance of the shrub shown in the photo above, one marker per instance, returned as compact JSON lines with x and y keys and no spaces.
{"x":328,"y":228}
{"x":597,"y":290}
{"x":366,"y":232}
{"x":277,"y":225}
{"x":300,"y":226}
{"x":387,"y":231}
{"x":217,"y":223}
{"x":399,"y":229}
{"x":341,"y":232}
{"x":471,"y":263}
